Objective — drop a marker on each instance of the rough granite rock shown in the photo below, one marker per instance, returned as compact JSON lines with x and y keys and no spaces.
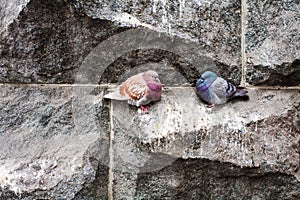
{"x":205,"y":179}
{"x":214,"y":24}
{"x":9,"y":11}
{"x":47,"y":41}
{"x":43,"y":152}
{"x":63,"y":141}
{"x":272,"y":40}
{"x":259,"y":134}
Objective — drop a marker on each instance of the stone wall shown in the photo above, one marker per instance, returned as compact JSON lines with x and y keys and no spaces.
{"x":62,"y":140}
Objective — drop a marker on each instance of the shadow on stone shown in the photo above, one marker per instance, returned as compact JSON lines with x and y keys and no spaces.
{"x":173,"y":69}
{"x":286,"y":74}
{"x":204,"y":179}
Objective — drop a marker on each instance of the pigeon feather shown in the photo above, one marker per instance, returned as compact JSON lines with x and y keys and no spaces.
{"x":139,"y":89}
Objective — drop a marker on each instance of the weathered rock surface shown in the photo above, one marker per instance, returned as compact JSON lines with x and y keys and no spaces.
{"x":43,"y":153}
{"x":259,"y":133}
{"x":214,"y":24}
{"x":188,"y":179}
{"x":48,"y":45}
{"x":9,"y":12}
{"x":272,"y":40}
{"x":63,"y":141}
{"x":47,"y":42}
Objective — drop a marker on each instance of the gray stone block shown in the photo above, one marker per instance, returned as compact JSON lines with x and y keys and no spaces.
{"x":259,"y":133}
{"x":47,"y":41}
{"x":272,"y":40}
{"x":65,"y":142}
{"x":205,"y":179}
{"x":48,"y":45}
{"x":215,"y":24}
{"x":50,"y":142}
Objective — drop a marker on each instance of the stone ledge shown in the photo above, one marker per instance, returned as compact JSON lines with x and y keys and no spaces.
{"x":260,"y":133}
{"x":251,"y":133}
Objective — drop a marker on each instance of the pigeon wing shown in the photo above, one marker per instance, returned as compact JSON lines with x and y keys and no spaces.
{"x":222,"y":89}
{"x":134,"y":88}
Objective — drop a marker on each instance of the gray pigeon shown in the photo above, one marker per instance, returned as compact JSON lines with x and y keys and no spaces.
{"x":215,"y":90}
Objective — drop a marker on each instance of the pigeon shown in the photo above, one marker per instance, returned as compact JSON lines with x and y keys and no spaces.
{"x":139,"y":90}
{"x":215,"y":90}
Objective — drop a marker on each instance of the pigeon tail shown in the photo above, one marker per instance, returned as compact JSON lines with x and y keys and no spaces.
{"x":115,"y":95}
{"x":241,"y":93}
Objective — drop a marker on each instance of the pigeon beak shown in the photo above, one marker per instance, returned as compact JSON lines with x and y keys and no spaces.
{"x":157,"y":80}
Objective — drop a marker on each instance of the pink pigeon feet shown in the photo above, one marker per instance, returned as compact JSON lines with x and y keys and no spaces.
{"x":211,"y":105}
{"x":144,"y":109}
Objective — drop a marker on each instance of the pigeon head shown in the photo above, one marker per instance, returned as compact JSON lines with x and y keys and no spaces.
{"x":208,"y":77}
{"x":151,"y":76}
